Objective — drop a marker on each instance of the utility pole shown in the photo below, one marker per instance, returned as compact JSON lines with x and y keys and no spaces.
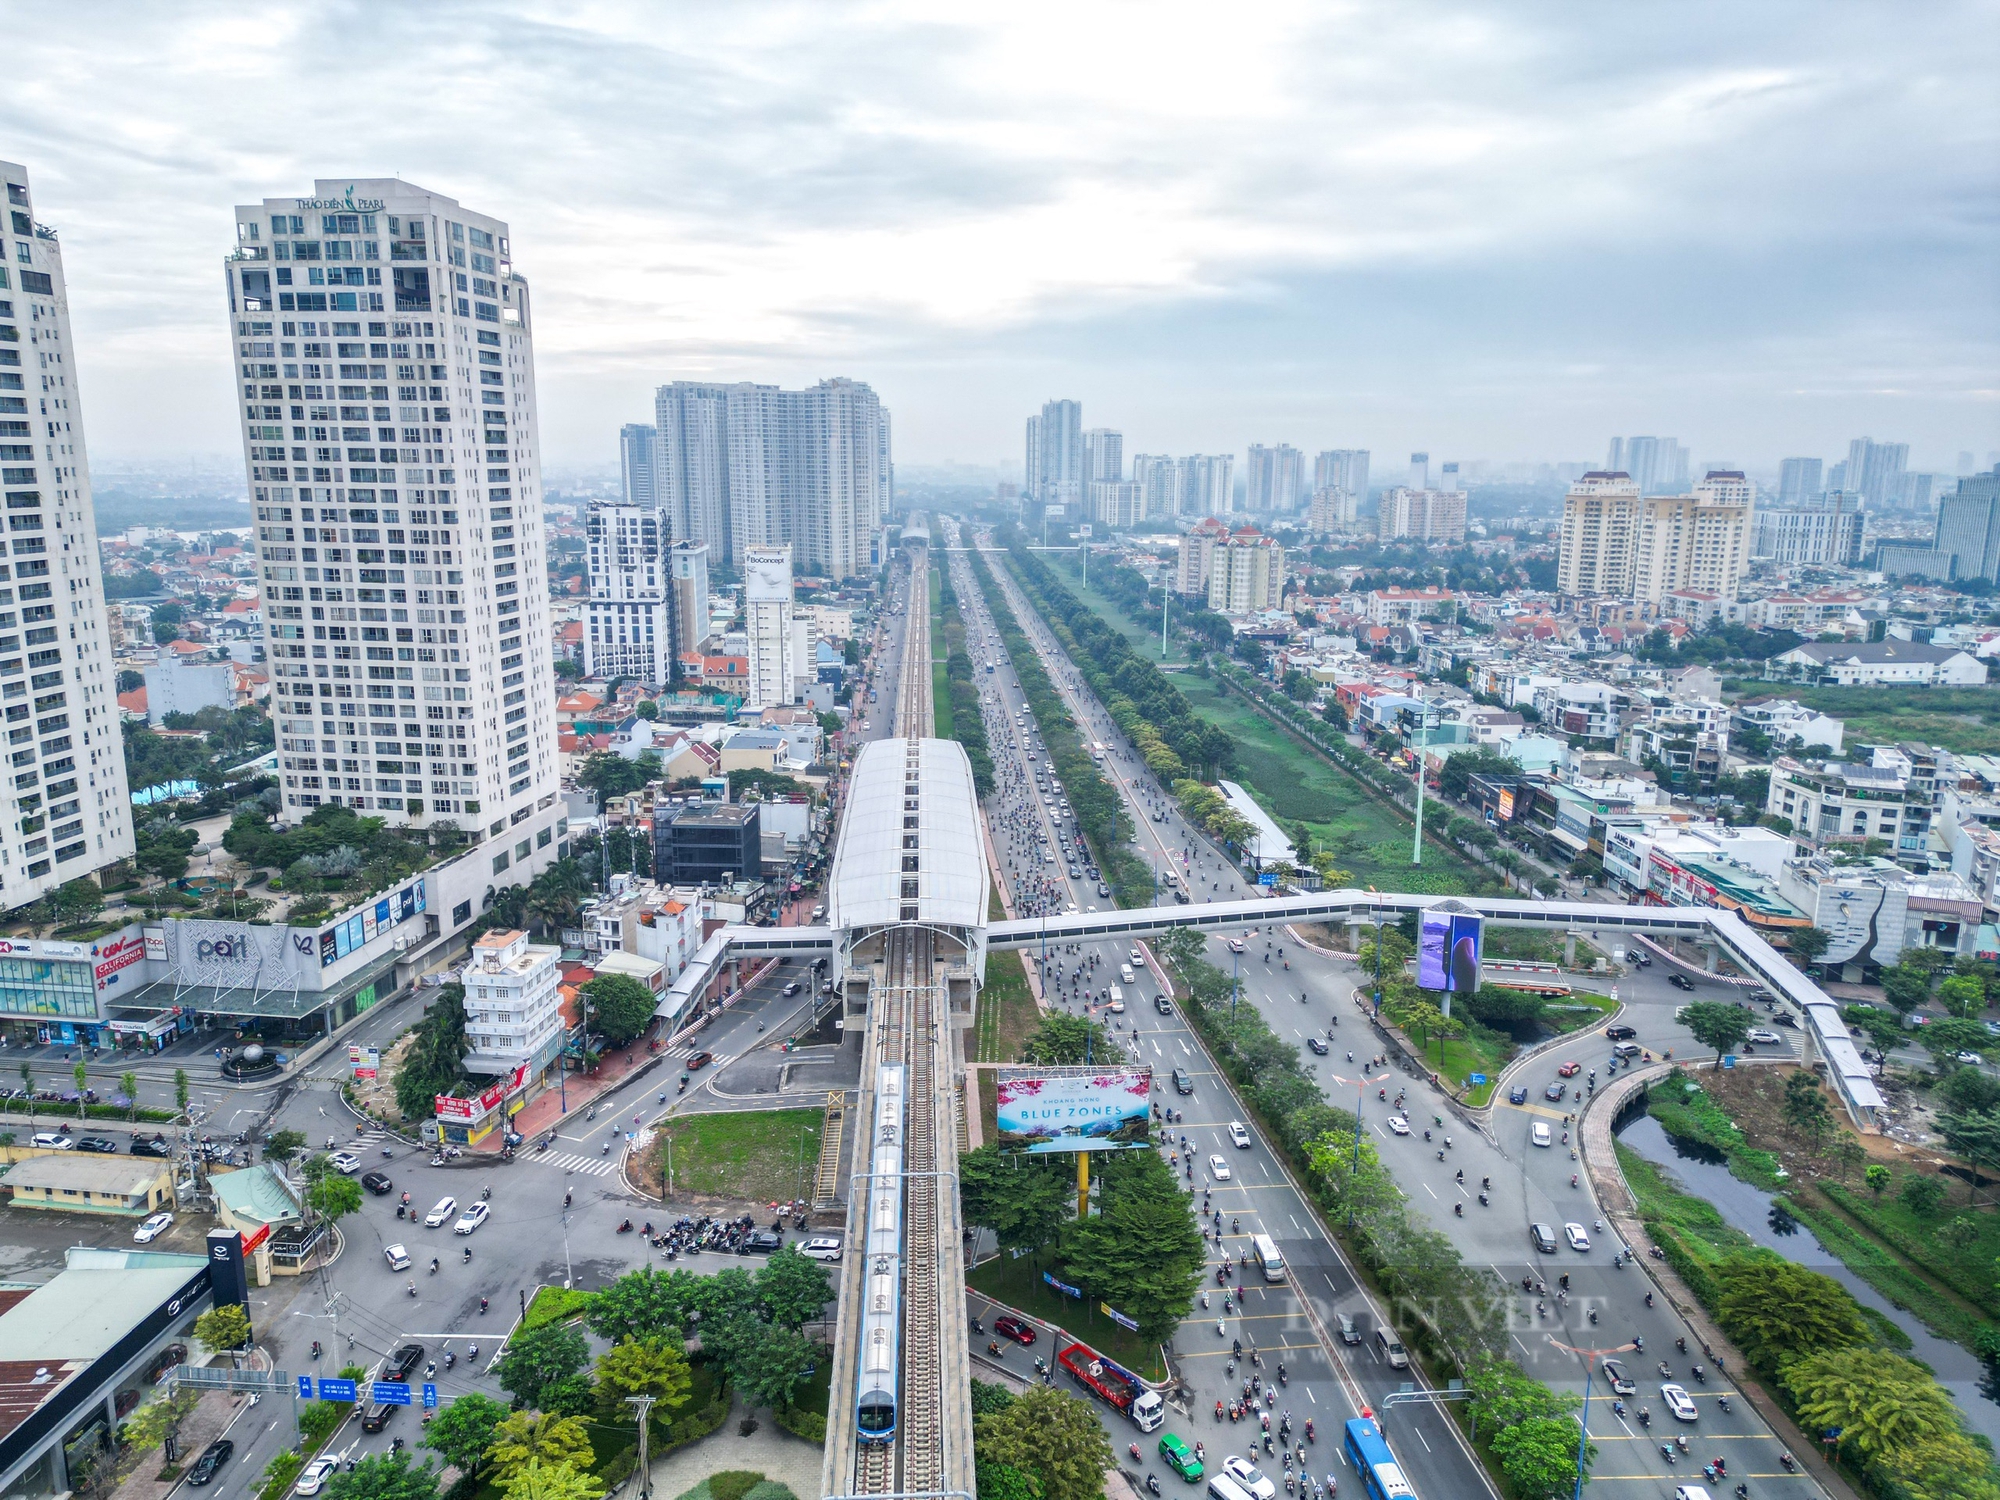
{"x":643,"y":1405}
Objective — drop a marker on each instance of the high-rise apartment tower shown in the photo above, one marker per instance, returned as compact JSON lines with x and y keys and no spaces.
{"x":637,"y":445}
{"x":628,"y":627}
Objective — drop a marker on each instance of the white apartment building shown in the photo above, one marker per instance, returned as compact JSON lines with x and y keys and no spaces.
{"x":1205,"y":484}
{"x":513,"y":1006}
{"x":1196,"y":562}
{"x":386,"y":348}
{"x":1117,"y":503}
{"x":1342,"y":469}
{"x":1053,"y":456}
{"x":1159,"y":479}
{"x":1829,"y":530}
{"x":1333,"y":511}
{"x":1698,"y":541}
{"x":628,"y":615}
{"x":1600,"y":531}
{"x":767,"y":596}
{"x":1277,"y":478}
{"x":67,"y":809}
{"x":1422,"y":515}
{"x":1246,"y":573}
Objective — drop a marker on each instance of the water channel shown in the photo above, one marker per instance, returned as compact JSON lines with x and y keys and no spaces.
{"x":1702,"y":1173}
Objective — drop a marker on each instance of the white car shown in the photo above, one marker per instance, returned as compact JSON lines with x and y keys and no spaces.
{"x":1117,"y":1007}
{"x":345,"y":1161}
{"x":1218,"y":1169}
{"x":1578,"y":1240}
{"x":1238,"y":1136}
{"x":446,"y":1207}
{"x":1138,"y":957}
{"x":1249,"y":1476}
{"x":1236,"y":945}
{"x":821,"y":1249}
{"x":1398,"y":1125}
{"x":1764,"y":1036}
{"x":53,"y":1140}
{"x":152,"y":1228}
{"x":313,"y":1478}
{"x":1679,"y":1402}
{"x":474,"y":1215}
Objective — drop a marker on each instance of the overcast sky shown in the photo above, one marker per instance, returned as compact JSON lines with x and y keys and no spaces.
{"x":1492,"y":230}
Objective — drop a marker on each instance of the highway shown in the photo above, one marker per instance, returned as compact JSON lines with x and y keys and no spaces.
{"x":1315,"y":996}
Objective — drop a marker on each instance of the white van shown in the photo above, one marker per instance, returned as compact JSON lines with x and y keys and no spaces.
{"x":1540,"y":1133}
{"x":1125,"y":973}
{"x":1222,"y":1487}
{"x":1268,"y":1257}
{"x":1391,"y":1350}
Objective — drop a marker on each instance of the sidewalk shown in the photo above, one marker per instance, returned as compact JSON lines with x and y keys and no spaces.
{"x":581,"y":1091}
{"x":210,"y":1418}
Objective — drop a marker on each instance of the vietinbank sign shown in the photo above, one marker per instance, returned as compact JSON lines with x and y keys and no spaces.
{"x":351,"y":203}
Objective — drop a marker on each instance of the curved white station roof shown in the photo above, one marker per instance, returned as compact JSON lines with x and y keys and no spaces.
{"x":879,"y":832}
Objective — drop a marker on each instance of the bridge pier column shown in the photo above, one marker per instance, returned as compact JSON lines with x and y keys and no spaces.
{"x":1710,"y":955}
{"x":1569,"y":950}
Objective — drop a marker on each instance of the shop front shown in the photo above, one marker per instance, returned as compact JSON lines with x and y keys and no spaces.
{"x":48,"y":995}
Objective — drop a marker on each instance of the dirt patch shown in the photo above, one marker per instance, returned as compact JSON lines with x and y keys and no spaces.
{"x":377,"y":1096}
{"x":1755,"y":1100}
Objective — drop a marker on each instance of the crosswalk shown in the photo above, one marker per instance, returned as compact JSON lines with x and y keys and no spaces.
{"x":582,"y":1166}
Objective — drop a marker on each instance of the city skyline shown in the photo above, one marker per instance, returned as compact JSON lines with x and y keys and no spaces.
{"x":1222,"y":275}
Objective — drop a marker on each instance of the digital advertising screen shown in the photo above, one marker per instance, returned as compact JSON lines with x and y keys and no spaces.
{"x":1448,"y":952}
{"x":1080,"y":1111}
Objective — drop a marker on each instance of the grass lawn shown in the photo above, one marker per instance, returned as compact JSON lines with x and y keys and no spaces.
{"x":1578,"y":1013}
{"x":1018,"y":1283}
{"x":1463,"y":1056}
{"x":1007,"y":1012}
{"x":752,"y":1156}
{"x":554,"y":1305}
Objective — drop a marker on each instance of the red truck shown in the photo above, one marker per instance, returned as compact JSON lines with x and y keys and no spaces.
{"x":1114,"y":1385}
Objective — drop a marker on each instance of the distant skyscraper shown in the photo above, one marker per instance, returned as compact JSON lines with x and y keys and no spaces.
{"x":1205,"y":484}
{"x":1600,"y":531}
{"x":1826,"y":529}
{"x":456,"y":584}
{"x":1798,"y":481}
{"x":1448,"y":480}
{"x":1658,"y":465}
{"x":1422,"y":515}
{"x":637,"y":443}
{"x":1332,"y":512}
{"x":1967,"y":541}
{"x":1342,"y":469}
{"x":1965,"y":460}
{"x":1103,"y":456}
{"x":628,"y":628}
{"x":1117,"y":503}
{"x":1876,"y":470}
{"x":1054,"y":457}
{"x":767,"y":604}
{"x":1420,"y":471}
{"x":1277,"y":478}
{"x":1159,"y":479}
{"x":68,"y":808}
{"x":691,"y":459}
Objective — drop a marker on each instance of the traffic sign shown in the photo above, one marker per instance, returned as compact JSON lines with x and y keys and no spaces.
{"x":338,"y":1390}
{"x":389,"y":1393}
{"x":305,"y":1387}
{"x":430,"y":1396}
{"x":1477,"y":1079}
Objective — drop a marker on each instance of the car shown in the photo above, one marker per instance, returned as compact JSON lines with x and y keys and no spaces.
{"x":865,"y":724}
{"x":821,"y":1249}
{"x":1540,"y":1134}
{"x":475,"y":1214}
{"x":1019,"y":1330}
{"x":1398,"y":1125}
{"x":1249,"y":1476}
{"x":53,"y":1140}
{"x":213,"y":1457}
{"x":152,"y":1228}
{"x":1543,"y":1237}
{"x":1138,"y":956}
{"x":1074,"y":872}
{"x":1179,"y":1457}
{"x":155,"y":1144}
{"x":698,"y":1060}
{"x":1970,"y":1059}
{"x":1634,"y":956}
{"x":1183,"y":1081}
{"x":1238,"y":1136}
{"x":1348,"y":1328}
{"x":1627,"y":1049}
{"x":403,"y":1363}
{"x":1786,"y":1018}
{"x":1117,"y":1007}
{"x":377,"y":1183}
{"x":1765,"y":1036}
{"x":165,"y":1360}
{"x":1569,"y":1069}
{"x":763,"y":1242}
{"x":1621,"y":1383}
{"x":791,"y":989}
{"x":1103,"y":889}
{"x":397,"y":1257}
{"x":1318,"y":1045}
{"x":101,"y":1145}
{"x":345,"y":1161}
{"x":446,"y":1207}
{"x":1679,"y":1402}
{"x":1620,"y":1032}
{"x":1218,"y":1168}
{"x":1554,"y":1092}
{"x":1236,"y":945}
{"x":313,"y":1477}
{"x":1680,"y":982}
{"x":1578,"y":1240}
{"x":1518,"y":1094}
{"x":1163,"y":1005}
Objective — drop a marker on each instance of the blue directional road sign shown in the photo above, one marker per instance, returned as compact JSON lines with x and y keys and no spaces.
{"x":1267,"y":877}
{"x":389,"y":1393}
{"x":305,"y":1387}
{"x":337,"y":1390}
{"x":430,"y":1396}
{"x":1476,"y":1079}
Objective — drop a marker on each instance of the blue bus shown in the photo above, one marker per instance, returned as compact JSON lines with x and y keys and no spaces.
{"x":1381,"y":1476}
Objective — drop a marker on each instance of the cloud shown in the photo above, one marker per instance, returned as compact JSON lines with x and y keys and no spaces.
{"x":1497,"y":230}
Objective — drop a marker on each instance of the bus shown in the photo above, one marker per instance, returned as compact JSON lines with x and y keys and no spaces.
{"x":1381,"y":1476}
{"x":1268,"y":1257}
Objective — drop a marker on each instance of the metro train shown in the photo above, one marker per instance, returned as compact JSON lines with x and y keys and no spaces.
{"x":882,"y":1288}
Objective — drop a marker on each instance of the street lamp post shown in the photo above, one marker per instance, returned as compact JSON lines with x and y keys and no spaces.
{"x":1360,"y":1097}
{"x":1590,"y":1358}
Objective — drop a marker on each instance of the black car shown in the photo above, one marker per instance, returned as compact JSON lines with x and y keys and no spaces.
{"x":1519,"y":1095}
{"x":1680,"y":982}
{"x":1555,"y":1091}
{"x":1621,"y":1032}
{"x":100,"y":1144}
{"x":1784,"y":1018}
{"x":403,"y":1361}
{"x":763,"y":1242}
{"x":377,"y":1183}
{"x":1183,"y":1081}
{"x":213,"y":1457}
{"x":151,"y":1145}
{"x":1318,"y":1044}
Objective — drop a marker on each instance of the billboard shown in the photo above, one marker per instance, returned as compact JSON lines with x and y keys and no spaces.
{"x":1506,"y":812}
{"x":1448,"y":951}
{"x":1075,"y":1110}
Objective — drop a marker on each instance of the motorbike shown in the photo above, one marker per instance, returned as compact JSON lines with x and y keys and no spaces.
{"x":624,"y":1227}
{"x":1700,"y":1375}
{"x":1667,"y":1452}
{"x":482,"y":1304}
{"x":1723,"y":1402}
{"x":485,"y":1194}
{"x":1153,"y":1484}
{"x":1791,"y":1464}
{"x":1645,"y":1417}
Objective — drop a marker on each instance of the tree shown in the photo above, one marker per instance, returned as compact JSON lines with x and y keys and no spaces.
{"x":1004,"y":1482}
{"x":539,"y":1365}
{"x":1905,"y":987}
{"x":384,"y":1476}
{"x":334,"y":1197}
{"x":568,"y":669}
{"x":643,"y":1303}
{"x":621,"y":1005}
{"x":1777,"y":1311}
{"x":1881,"y":1027}
{"x":1538,"y":1457}
{"x":1881,"y":1402}
{"x":1923,"y":1196}
{"x":75,"y":901}
{"x":524,"y":1436}
{"x":1024,"y":1200}
{"x":180,"y":1089}
{"x":792,"y":1290}
{"x":1963,"y":995}
{"x":765,"y":1363}
{"x":1053,"y":1436}
{"x":283,"y":1145}
{"x":1066,"y":1040}
{"x":223,"y":1328}
{"x":1178,"y":947}
{"x":153,"y":1424}
{"x":643,"y":1367}
{"x":82,"y":1076}
{"x":1809,"y":943}
{"x":433,"y":1063}
{"x":1877,"y":1177}
{"x":1141,"y":1252}
{"x":1805,"y":1108}
{"x":128,"y":1085}
{"x":1974,"y":1136}
{"x":611,"y":776}
{"x":540,"y":1481}
{"x":1717,"y":1026}
{"x":463,"y":1431}
{"x":1503,"y":1394}
{"x":1946,"y":1039}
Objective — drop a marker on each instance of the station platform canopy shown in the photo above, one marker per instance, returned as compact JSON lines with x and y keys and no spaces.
{"x":910,"y":850}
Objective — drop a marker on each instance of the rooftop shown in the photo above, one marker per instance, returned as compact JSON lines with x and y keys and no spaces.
{"x":132,"y":1176}
{"x":909,"y":839}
